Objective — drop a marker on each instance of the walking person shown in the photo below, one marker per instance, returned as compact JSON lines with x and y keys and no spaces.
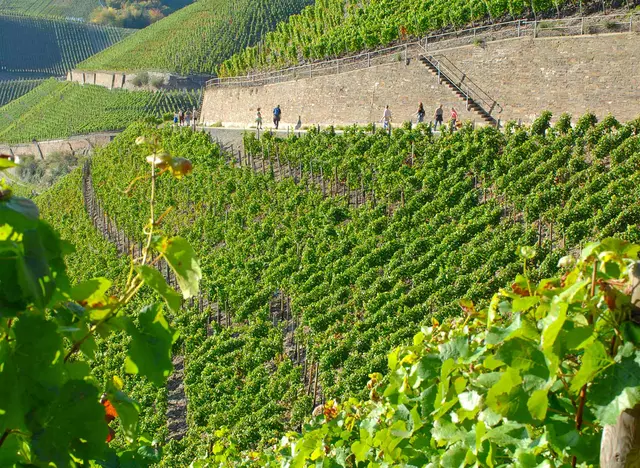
{"x":277,"y":115}
{"x":259,"y":119}
{"x":438,"y":117}
{"x":454,"y":119}
{"x":181,"y":117}
{"x":175,"y":118}
{"x":386,"y":118}
{"x":195,"y":118}
{"x":421,"y":113}
{"x":187,"y":118}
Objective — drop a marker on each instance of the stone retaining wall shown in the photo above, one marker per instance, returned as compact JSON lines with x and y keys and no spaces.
{"x":118,"y":80}
{"x":75,"y":145}
{"x":526,"y":76}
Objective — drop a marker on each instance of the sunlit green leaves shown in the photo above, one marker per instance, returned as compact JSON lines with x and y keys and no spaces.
{"x":183,"y":262}
{"x":150,"y":349}
{"x":155,"y":280}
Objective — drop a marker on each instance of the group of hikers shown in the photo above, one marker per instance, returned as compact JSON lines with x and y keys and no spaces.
{"x":438,"y":117}
{"x":184,"y":119}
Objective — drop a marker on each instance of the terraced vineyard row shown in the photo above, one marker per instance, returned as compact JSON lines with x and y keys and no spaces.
{"x":79,"y":9}
{"x":61,"y":109}
{"x":197,"y":38}
{"x":10,"y":90}
{"x":445,"y":224}
{"x":331,"y":28}
{"x":49,"y":45}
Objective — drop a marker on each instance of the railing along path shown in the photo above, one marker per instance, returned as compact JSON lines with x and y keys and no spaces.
{"x":575,"y":26}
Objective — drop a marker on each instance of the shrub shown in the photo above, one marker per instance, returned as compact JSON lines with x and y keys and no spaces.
{"x":157,"y":82}
{"x":141,"y":79}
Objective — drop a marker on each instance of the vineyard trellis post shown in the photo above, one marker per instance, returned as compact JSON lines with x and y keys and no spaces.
{"x":620,"y":444}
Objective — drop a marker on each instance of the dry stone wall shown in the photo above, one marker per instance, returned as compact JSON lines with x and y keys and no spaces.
{"x":74,"y":145}
{"x":123,"y":80}
{"x":525,"y":75}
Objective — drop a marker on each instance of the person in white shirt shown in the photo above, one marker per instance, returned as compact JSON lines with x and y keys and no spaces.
{"x":386,"y":118}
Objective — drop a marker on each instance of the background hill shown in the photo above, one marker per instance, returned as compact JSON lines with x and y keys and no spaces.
{"x":80,"y":9}
{"x":197,"y":38}
{"x":49,"y":46}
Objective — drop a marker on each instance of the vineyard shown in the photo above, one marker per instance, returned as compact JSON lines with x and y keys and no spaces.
{"x":331,"y":28}
{"x":197,"y":38}
{"x":13,"y":89}
{"x":49,"y":45}
{"x":408,"y":226}
{"x":61,"y":109}
{"x":80,"y":9}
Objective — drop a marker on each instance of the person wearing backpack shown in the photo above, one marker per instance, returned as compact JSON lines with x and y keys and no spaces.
{"x":277,"y":114}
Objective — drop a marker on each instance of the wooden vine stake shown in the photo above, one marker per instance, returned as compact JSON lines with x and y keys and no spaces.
{"x":620,"y":446}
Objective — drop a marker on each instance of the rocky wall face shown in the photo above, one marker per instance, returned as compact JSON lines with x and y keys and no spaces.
{"x":526,"y":76}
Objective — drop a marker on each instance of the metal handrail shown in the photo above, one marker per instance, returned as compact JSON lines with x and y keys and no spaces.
{"x":473,"y":90}
{"x":515,"y":28}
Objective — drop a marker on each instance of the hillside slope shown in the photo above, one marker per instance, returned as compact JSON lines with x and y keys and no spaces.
{"x":442,"y":222}
{"x":80,"y":9}
{"x":60,"y":109}
{"x":197,"y":38}
{"x":50,"y":46}
{"x":332,"y":28}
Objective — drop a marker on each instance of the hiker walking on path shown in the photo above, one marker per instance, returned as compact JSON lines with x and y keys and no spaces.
{"x":277,"y":115}
{"x":454,"y":119}
{"x":386,"y":118}
{"x":438,"y":117}
{"x":175,"y":118}
{"x":259,"y":119}
{"x":421,"y":113}
{"x":187,"y":117}
{"x":195,"y":117}
{"x":181,"y":117}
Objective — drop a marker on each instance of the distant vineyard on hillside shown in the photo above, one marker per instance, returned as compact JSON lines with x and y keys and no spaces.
{"x":51,"y":46}
{"x":65,"y":8}
{"x":61,"y":109}
{"x":332,"y":28}
{"x":10,"y":90}
{"x":197,"y":38}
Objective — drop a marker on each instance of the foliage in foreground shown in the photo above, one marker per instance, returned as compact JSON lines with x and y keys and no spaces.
{"x":528,"y":381}
{"x":51,"y":412}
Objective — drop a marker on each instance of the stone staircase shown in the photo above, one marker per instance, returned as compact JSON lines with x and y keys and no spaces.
{"x":460,"y":84}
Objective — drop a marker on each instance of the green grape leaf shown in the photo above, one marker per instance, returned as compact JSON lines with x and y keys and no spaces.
{"x":183,"y":262}
{"x":91,"y":292}
{"x":128,"y":411}
{"x":360,"y":450}
{"x":156,"y":281}
{"x":594,"y":360}
{"x":150,"y":348}
{"x":617,"y":389}
{"x":33,"y":270}
{"x":552,"y":323}
{"x":523,"y":355}
{"x":73,"y":422}
{"x":6,"y":163}
{"x":538,"y":404}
